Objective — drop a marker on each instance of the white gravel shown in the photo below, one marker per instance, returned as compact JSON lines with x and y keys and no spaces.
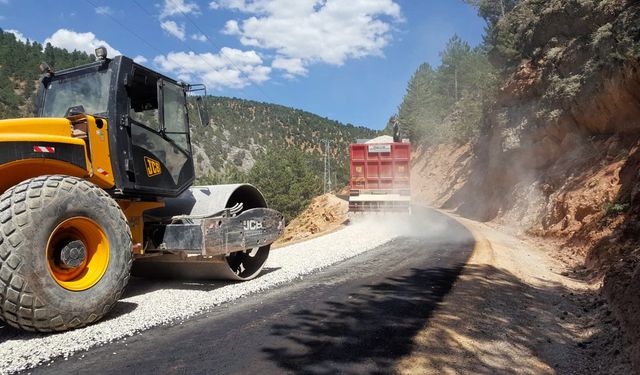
{"x":177,"y":302}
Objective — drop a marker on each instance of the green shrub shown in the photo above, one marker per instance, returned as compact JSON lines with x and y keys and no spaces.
{"x":286,"y":179}
{"x":614,"y":208}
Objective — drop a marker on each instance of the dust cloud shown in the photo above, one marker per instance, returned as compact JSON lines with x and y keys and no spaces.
{"x":426,"y":224}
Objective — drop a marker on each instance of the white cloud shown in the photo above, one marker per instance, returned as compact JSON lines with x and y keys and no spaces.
{"x":104,"y":10}
{"x":19,"y":36}
{"x":199,"y":37}
{"x":304,"y":32}
{"x":292,"y":67}
{"x":174,"y":29}
{"x":140,"y":59}
{"x":231,"y":27}
{"x":178,"y":7}
{"x":228,"y":68}
{"x":86,"y":42}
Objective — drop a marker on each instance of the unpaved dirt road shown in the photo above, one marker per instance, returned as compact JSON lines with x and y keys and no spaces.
{"x":359,"y":316}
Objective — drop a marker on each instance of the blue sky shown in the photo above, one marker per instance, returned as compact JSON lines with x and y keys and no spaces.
{"x":347,"y":60}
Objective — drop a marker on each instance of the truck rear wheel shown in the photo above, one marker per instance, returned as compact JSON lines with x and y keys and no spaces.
{"x":65,"y":253}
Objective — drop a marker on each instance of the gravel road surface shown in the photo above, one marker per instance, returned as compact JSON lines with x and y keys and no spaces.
{"x":358,"y":314}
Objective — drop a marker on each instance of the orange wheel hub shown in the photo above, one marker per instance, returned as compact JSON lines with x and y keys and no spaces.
{"x":78,"y":254}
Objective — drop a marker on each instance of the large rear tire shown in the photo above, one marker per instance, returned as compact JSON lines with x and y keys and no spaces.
{"x":65,"y":253}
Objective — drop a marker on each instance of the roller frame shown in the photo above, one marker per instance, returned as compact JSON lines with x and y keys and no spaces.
{"x":220,"y":235}
{"x":219,"y":241}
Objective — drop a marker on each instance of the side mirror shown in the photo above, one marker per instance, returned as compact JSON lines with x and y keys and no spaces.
{"x":202,"y":111}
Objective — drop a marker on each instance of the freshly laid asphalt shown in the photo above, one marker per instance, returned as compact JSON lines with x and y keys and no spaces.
{"x":359,"y":316}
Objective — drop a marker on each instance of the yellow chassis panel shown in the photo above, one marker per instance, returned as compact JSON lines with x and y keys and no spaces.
{"x":58,"y":130}
{"x":134,"y":212}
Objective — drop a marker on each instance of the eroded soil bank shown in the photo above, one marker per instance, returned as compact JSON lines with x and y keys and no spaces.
{"x":554,"y":289}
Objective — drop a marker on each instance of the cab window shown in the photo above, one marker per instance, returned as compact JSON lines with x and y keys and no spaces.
{"x":143,"y":94}
{"x":176,"y":126}
{"x":89,"y":91}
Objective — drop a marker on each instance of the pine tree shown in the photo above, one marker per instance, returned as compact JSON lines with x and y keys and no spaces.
{"x":286,"y":179}
{"x":445,"y":104}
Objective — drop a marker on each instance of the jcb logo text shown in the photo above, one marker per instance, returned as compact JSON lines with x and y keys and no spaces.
{"x":252,"y":225}
{"x":153,"y":167}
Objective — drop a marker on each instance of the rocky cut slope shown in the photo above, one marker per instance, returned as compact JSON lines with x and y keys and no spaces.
{"x":573,"y":83}
{"x":559,"y":151}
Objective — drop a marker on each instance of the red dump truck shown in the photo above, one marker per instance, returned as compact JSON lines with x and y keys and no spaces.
{"x":380,"y":176}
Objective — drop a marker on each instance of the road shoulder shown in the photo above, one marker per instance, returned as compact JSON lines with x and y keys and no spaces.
{"x":513,"y":311}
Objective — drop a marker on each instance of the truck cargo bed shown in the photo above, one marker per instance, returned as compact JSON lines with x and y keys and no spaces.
{"x":380,"y":177}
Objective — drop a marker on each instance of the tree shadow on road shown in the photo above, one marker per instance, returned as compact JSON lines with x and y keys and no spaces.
{"x":367,"y":334}
{"x":496,"y":324}
{"x":391,"y":327}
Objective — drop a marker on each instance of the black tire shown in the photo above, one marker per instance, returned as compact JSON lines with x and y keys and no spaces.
{"x":30,"y":297}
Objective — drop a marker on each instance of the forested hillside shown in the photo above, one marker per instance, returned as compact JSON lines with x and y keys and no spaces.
{"x":444,"y":103}
{"x":19,"y":71}
{"x":240,"y":131}
{"x":276,"y":148}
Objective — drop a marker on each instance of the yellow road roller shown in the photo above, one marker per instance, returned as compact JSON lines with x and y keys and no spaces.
{"x":99,"y":185}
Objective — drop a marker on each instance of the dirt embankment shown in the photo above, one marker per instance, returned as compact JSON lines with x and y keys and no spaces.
{"x":324,"y":214}
{"x":559,"y":154}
